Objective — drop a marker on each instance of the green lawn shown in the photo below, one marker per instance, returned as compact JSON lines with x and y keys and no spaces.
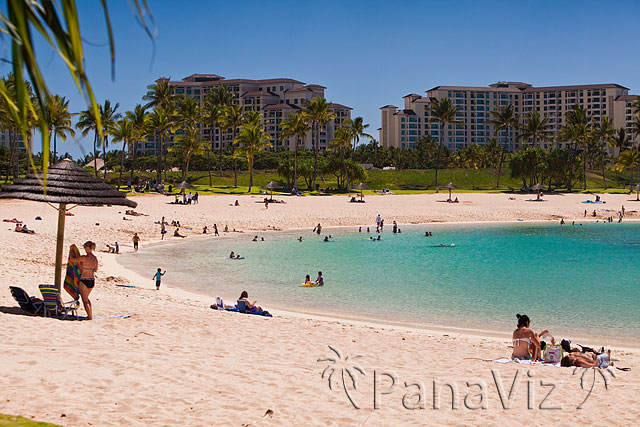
{"x":12,"y":420}
{"x":398,"y":181}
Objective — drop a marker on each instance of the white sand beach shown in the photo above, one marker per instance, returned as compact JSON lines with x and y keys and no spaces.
{"x":176,"y":361}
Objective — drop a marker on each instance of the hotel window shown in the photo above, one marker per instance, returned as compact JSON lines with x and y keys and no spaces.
{"x":281,"y":88}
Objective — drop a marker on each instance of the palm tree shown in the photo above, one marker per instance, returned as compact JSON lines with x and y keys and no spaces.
{"x":535,"y":128}
{"x":577,"y":131}
{"x":621,"y":141}
{"x":108,"y":117}
{"x":215,"y":103}
{"x":295,"y":126}
{"x":188,"y":112}
{"x":59,"y":121}
{"x":87,"y":123}
{"x":189,"y":143}
{"x":342,"y":143}
{"x":629,"y":159}
{"x":443,"y":112}
{"x":232,"y":120}
{"x":160,"y":94}
{"x":251,"y":139}
{"x":503,"y":118}
{"x":318,"y":114}
{"x":124,"y":131}
{"x":603,"y":131}
{"x":357,"y":128}
{"x":137,"y":118}
{"x":161,"y":122}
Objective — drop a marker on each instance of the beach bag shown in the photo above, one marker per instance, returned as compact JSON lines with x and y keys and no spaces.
{"x":552,"y":353}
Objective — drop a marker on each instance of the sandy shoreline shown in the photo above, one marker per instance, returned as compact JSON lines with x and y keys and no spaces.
{"x":176,"y":360}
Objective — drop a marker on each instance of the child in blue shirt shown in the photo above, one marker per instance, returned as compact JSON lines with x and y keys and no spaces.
{"x":158,"y":277}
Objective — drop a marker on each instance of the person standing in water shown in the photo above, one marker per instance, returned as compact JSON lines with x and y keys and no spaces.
{"x":136,"y":240}
{"x":88,"y":266}
{"x":320,"y":279}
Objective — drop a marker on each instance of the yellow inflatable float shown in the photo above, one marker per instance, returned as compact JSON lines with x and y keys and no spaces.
{"x":309,"y":285}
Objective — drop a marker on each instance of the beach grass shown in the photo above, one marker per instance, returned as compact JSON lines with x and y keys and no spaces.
{"x":17,"y":421}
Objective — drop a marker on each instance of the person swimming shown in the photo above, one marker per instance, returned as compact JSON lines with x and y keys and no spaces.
{"x":320,"y":279}
{"x":326,"y":238}
{"x":232,"y":256}
{"x":307,"y":280}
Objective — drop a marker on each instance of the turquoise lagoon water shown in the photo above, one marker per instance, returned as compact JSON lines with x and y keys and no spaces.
{"x":575,"y":280}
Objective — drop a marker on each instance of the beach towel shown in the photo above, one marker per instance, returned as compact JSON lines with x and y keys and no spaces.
{"x":72,"y":278}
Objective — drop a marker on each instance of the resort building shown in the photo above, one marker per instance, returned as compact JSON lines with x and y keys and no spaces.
{"x":275,"y":99}
{"x":403,"y":127}
{"x":6,"y":136}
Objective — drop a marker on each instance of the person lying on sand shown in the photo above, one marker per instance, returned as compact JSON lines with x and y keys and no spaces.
{"x":526,"y":343}
{"x":177,"y":233}
{"x":588,"y":360}
{"x":23,"y":229}
{"x":12,"y":220}
{"x":251,"y":306}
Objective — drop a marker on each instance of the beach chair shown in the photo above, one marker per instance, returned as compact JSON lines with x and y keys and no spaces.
{"x":25,"y":301}
{"x":242,"y":307}
{"x":53,"y":304}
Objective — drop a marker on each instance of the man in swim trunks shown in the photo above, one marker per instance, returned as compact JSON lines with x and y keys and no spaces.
{"x":88,"y":266}
{"x":320,"y":279}
{"x":588,"y":360}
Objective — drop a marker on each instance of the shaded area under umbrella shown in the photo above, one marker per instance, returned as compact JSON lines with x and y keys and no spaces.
{"x":450,"y":186}
{"x":271,"y":186}
{"x":67,"y":183}
{"x":636,"y":188}
{"x":361,"y":187}
{"x":538,"y":188}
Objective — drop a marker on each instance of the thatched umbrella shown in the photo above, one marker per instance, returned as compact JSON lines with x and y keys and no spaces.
{"x":67,"y":183}
{"x":184,"y":185}
{"x":449,"y":186}
{"x":636,"y":188}
{"x":538,"y":188}
{"x":271,"y":186}
{"x":361,"y":187}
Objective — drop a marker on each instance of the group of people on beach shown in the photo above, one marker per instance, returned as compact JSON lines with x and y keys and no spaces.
{"x":529,"y":345}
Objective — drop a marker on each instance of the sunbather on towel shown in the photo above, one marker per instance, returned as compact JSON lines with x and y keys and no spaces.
{"x":526,"y":343}
{"x":251,"y":306}
{"x":588,"y":360}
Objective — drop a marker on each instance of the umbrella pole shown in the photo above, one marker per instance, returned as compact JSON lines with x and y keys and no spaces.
{"x":62,"y":210}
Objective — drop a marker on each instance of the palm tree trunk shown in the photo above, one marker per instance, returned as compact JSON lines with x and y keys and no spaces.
{"x":295,"y":166}
{"x":209,"y":164}
{"x":159,"y":160}
{"x":104,"y":155}
{"x":55,"y":148}
{"x":250,"y":174}
{"x":442,"y":125}
{"x":235,"y":165}
{"x":124,"y":144}
{"x":504,"y":147}
{"x":573,"y":154}
{"x":584,"y":168}
{"x":220,"y":152}
{"x":133,"y":162}
{"x":10,"y":166}
{"x":95,"y":152}
{"x":164,"y":161}
{"x":315,"y":154}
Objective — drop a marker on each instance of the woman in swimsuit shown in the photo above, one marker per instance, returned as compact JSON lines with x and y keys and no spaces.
{"x":526,"y":343}
{"x":251,"y":306}
{"x":88,"y":266}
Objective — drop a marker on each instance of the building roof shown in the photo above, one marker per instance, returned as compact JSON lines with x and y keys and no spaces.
{"x":388,"y":106}
{"x":315,"y":85}
{"x":411,"y":94}
{"x":475,"y":88}
{"x":334,"y":105}
{"x":406,"y":112}
{"x":278,"y":80}
{"x":216,"y":79}
{"x":280,"y":106}
{"x":627,"y":97}
{"x":576,"y":87}
{"x":259,"y":93}
{"x":192,"y":77}
{"x":528,"y":88}
{"x":299,"y":89}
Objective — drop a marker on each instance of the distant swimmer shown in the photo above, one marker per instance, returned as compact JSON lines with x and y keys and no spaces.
{"x":300,"y":239}
{"x":442,"y":245}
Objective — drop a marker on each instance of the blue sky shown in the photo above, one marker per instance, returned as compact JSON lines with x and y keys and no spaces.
{"x":367,"y":53}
